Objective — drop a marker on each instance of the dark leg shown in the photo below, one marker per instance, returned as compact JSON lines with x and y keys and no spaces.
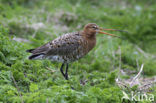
{"x":66,"y":75}
{"x":61,"y":69}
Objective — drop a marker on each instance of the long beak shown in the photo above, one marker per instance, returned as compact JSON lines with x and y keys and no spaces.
{"x":100,"y":31}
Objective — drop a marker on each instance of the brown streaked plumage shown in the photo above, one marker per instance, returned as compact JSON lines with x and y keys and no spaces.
{"x":69,"y":47}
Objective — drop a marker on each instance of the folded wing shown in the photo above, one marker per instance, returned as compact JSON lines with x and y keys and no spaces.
{"x":64,"y":45}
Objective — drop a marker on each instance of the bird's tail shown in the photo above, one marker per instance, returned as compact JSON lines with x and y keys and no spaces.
{"x":30,"y":50}
{"x":35,"y":56}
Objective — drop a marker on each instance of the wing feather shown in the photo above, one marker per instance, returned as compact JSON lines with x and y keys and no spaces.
{"x":63,"y":45}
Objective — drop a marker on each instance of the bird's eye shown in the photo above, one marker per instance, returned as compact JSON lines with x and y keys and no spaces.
{"x":95,"y":27}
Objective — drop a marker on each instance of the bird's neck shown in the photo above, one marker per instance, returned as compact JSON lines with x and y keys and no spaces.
{"x":88,"y":35}
{"x":90,"y":39}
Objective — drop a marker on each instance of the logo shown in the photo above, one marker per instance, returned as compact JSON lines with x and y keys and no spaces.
{"x":138,"y":96}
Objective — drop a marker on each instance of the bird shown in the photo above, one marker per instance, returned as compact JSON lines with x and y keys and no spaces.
{"x":70,"y":46}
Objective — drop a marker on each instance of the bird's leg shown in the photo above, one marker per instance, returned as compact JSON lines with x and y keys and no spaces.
{"x":61,"y":69}
{"x":66,"y":74}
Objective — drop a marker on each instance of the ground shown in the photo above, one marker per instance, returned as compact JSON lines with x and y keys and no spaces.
{"x":102,"y":76}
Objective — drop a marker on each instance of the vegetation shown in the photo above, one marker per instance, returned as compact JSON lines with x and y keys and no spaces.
{"x":26,"y":24}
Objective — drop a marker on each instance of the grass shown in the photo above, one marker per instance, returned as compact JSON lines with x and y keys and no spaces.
{"x":92,"y":77}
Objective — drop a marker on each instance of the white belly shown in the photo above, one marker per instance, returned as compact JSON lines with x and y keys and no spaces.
{"x":56,"y":58}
